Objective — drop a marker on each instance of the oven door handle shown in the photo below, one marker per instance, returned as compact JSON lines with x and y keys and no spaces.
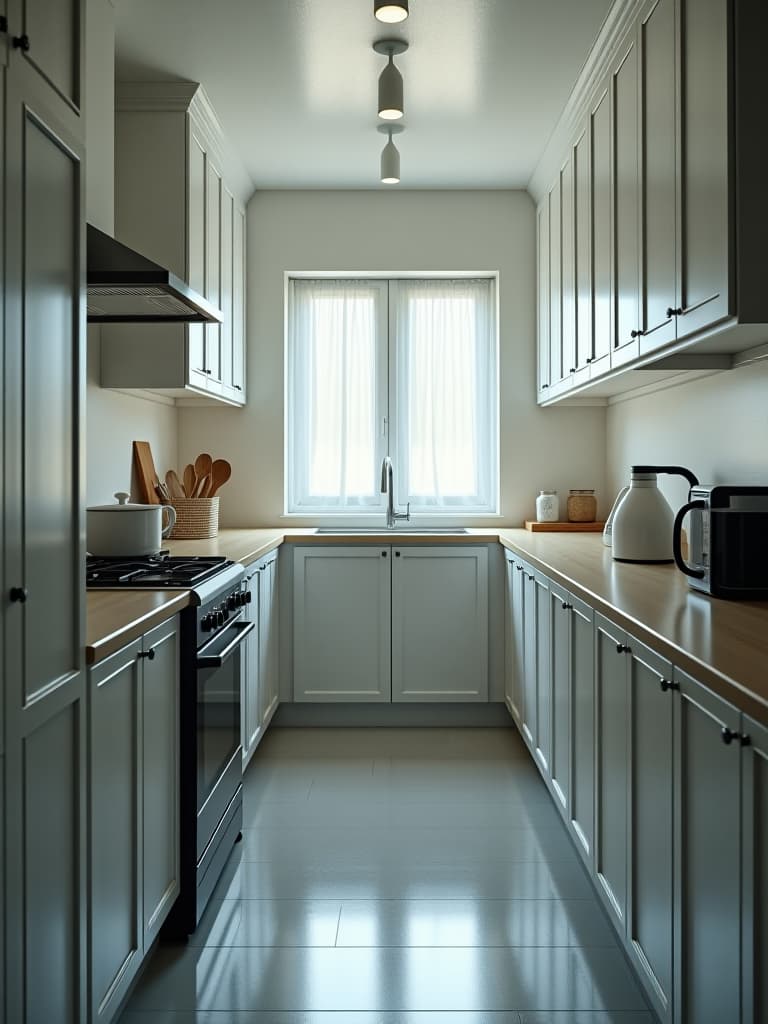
{"x":217,"y":660}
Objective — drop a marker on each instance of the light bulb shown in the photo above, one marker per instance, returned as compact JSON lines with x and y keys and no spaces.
{"x":389,"y":11}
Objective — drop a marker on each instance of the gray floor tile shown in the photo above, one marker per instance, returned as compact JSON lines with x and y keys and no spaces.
{"x":474,"y":923}
{"x":241,"y":922}
{"x":332,"y":1017}
{"x":386,"y":979}
{"x":587,"y":1017}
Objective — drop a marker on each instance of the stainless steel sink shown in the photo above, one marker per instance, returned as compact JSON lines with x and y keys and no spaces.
{"x":340,"y":531}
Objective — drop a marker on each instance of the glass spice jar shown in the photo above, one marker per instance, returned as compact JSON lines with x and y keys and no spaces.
{"x":547,"y":507}
{"x":581,"y":506}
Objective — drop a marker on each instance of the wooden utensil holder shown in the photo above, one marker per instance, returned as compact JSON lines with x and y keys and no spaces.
{"x":196,"y":518}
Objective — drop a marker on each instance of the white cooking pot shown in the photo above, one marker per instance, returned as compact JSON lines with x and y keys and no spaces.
{"x":125,"y":529}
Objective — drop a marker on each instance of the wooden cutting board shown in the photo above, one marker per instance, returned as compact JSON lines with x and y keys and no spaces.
{"x":146,"y":476}
{"x":535,"y":527}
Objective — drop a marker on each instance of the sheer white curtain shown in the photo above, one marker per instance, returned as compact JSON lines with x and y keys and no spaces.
{"x":446,"y":394}
{"x":336,"y":394}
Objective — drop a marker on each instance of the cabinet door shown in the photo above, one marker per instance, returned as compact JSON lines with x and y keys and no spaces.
{"x":515,"y":665}
{"x":238,"y":300}
{"x":55,"y":30}
{"x":649,"y":895}
{"x":440,"y":624}
{"x":227,"y":293}
{"x":707,"y":925}
{"x":543,"y":672}
{"x":583,"y":725}
{"x":115,"y":814}
{"x":560,"y":674}
{"x":754,"y":956}
{"x":160,"y":776}
{"x":268,"y":639}
{"x":611,"y":732}
{"x":555,"y":286}
{"x":600,"y":195}
{"x":197,"y":227}
{"x":341,"y":623}
{"x":530,"y":702}
{"x":567,"y":268}
{"x":43,"y":550}
{"x":626,"y":206}
{"x":213,"y":335}
{"x":704,"y":188}
{"x":582,"y":252}
{"x":542,"y":320}
{"x":658,"y":174}
{"x":250,"y":689}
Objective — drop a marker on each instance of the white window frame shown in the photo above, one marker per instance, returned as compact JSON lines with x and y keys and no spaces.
{"x":387,"y":362}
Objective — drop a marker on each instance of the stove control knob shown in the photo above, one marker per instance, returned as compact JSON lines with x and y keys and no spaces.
{"x":232,"y":602}
{"x":248,"y":597}
{"x":206,"y":623}
{"x":220,"y":618}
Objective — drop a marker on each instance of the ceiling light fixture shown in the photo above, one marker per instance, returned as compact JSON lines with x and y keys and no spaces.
{"x":390,"y":80}
{"x":390,"y":155}
{"x":390,"y":11}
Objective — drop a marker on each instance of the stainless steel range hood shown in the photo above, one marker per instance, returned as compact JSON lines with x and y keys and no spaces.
{"x":126,"y":287}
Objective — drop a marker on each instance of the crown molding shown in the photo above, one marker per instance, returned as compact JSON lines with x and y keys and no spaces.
{"x":617,"y":22}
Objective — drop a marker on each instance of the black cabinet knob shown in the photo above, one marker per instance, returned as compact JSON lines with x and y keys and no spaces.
{"x":21,"y":42}
{"x":566,"y":606}
{"x":572,"y":370}
{"x":591,"y":359}
{"x":397,"y":554}
{"x":18,"y":594}
{"x":671,"y":311}
{"x":238,"y":388}
{"x":668,"y":684}
{"x":635,"y":334}
{"x":150,"y":654}
{"x":383,"y":554}
{"x":728,"y":735}
{"x":622,"y":649}
{"x":519,"y":568}
{"x":543,"y":386}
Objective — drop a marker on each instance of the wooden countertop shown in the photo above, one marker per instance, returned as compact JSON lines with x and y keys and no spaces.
{"x":115,"y":617}
{"x":723,"y":644}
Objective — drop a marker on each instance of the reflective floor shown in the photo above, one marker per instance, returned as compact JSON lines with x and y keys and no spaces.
{"x":396,"y":876}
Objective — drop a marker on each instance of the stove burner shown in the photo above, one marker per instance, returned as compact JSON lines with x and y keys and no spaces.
{"x":160,"y":570}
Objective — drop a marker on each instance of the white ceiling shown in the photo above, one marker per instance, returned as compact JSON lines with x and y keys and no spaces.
{"x":294,"y":82}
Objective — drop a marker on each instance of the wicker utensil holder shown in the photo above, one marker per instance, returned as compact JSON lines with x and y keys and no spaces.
{"x":196,"y":518}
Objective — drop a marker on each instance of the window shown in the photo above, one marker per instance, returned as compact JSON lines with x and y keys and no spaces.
{"x":400,"y":367}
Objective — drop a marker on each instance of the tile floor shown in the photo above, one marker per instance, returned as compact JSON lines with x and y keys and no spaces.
{"x":396,"y":876}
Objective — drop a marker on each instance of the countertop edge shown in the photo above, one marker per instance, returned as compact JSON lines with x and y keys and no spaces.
{"x":110,"y":642}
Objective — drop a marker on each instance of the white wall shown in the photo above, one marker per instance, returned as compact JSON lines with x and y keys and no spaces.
{"x":716,"y":426}
{"x":113,"y":420}
{"x":393,"y":231}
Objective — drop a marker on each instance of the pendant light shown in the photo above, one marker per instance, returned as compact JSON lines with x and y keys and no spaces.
{"x":390,"y":11}
{"x":391,"y":106}
{"x":390,"y":155}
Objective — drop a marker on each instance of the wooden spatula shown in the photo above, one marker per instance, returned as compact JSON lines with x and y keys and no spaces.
{"x":173,"y":484}
{"x":190,"y":480}
{"x":221,"y":471}
{"x":203,"y":465}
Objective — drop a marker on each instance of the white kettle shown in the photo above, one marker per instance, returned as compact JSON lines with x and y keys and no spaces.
{"x":642,"y":519}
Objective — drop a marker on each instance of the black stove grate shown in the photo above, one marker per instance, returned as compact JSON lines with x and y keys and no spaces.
{"x":160,"y":570}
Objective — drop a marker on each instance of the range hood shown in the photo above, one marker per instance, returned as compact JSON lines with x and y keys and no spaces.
{"x":125,"y":287}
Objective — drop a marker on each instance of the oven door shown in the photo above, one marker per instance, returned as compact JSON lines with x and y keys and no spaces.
{"x":219,"y":754}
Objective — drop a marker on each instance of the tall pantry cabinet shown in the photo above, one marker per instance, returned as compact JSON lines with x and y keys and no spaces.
{"x":43,"y":333}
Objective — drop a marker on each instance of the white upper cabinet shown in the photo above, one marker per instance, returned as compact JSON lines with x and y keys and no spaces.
{"x":653,"y":185}
{"x":180,"y":200}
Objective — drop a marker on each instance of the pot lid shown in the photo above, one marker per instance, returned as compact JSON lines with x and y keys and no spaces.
{"x":121,"y":506}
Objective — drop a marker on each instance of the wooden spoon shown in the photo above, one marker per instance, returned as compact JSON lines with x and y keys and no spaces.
{"x":202,"y":486}
{"x":190,"y":480}
{"x":203,"y":465}
{"x":173,"y":484}
{"x":221,"y":471}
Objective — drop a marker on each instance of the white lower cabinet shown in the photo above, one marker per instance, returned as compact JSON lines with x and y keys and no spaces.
{"x":665,"y":787}
{"x":376,"y":624}
{"x":259,"y":695}
{"x":133,"y":809}
{"x":707,"y":890}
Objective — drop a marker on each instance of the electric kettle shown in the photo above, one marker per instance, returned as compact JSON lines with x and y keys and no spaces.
{"x":642,"y":519}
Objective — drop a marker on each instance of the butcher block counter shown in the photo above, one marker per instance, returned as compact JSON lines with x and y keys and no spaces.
{"x":724,"y":644}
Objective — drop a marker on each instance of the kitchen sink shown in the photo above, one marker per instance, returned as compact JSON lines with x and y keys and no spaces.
{"x":400,"y":531}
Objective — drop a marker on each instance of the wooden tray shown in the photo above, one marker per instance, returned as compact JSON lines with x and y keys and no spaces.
{"x":535,"y":527}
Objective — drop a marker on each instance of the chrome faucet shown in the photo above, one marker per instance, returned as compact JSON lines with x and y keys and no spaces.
{"x":387,"y":487}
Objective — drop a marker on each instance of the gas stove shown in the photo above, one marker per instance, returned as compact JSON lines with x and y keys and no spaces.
{"x":204,"y":575}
